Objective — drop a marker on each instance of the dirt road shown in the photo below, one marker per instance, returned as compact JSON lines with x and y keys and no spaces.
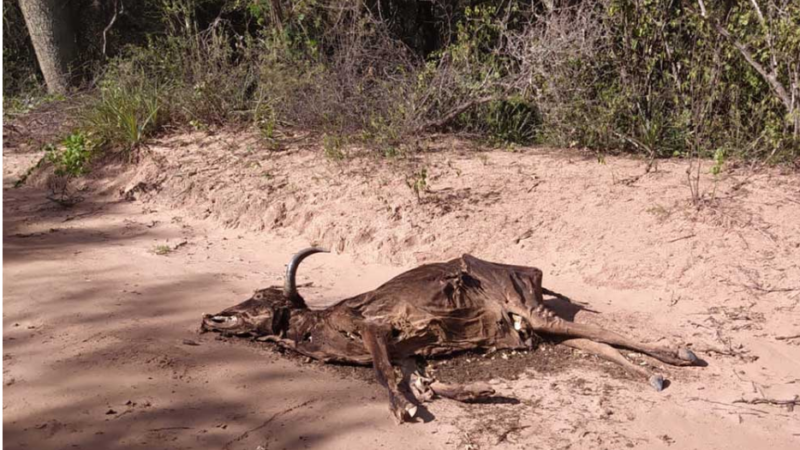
{"x":100,"y":343}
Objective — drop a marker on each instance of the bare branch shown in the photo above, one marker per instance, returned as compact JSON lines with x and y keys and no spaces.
{"x":119,"y":8}
{"x":702,"y":8}
{"x":769,"y":77}
{"x":758,"y":12}
{"x":789,"y":404}
{"x":768,"y":31}
{"x":450,"y":116}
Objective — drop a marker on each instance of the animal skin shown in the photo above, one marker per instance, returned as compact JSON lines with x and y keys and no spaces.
{"x":432,"y":310}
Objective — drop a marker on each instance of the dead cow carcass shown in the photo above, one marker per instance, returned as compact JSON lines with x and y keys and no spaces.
{"x":435,"y":309}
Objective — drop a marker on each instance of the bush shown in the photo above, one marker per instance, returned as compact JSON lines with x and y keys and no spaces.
{"x":73,"y":159}
{"x":269,"y":78}
{"x":655,"y":77}
{"x":511,"y":120}
{"x":127,"y":108}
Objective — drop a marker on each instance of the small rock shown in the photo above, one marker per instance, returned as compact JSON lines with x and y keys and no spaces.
{"x":110,"y":411}
{"x":190,"y":342}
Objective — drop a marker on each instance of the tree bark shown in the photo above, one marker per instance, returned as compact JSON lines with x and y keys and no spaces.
{"x":51,"y":27}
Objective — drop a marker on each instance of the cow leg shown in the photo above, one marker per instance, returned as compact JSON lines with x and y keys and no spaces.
{"x":543,"y":321}
{"x":471,"y":392}
{"x":424,"y":388}
{"x":374,"y":338}
{"x":415,"y":382}
{"x":609,"y":353}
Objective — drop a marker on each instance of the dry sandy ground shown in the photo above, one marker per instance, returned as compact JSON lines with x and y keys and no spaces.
{"x":99,"y":330}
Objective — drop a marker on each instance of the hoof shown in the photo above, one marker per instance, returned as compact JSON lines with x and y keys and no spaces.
{"x":400,"y":415}
{"x":403,"y":411}
{"x":657,"y":381}
{"x":687,"y":355}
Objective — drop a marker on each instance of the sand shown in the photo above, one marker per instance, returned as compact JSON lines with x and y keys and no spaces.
{"x":100,"y":333}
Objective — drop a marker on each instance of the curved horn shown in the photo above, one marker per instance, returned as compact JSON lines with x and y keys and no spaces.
{"x":290,"y":285}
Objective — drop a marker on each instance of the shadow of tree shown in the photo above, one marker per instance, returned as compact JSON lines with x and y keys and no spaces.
{"x":102,"y":350}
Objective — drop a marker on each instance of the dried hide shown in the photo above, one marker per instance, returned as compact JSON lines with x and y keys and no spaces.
{"x":435,"y":309}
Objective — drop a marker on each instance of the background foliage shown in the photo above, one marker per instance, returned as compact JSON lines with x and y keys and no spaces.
{"x":658,"y":77}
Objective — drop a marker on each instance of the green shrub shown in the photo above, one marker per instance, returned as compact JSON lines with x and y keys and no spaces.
{"x":73,"y":157}
{"x":333,"y":147}
{"x":418,"y":182}
{"x":653,"y":77}
{"x":125,"y":112}
{"x":511,"y":120}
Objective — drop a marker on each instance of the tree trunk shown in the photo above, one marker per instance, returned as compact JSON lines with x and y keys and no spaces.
{"x":50,"y":25}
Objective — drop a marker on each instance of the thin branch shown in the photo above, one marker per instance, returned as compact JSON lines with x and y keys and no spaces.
{"x":758,"y":12}
{"x":702,"y":8}
{"x":458,"y":110}
{"x":770,"y":77}
{"x":787,"y":338}
{"x":636,"y":143}
{"x":264,"y":424}
{"x":770,"y":290}
{"x":789,"y":404}
{"x":688,"y":236}
{"x":768,"y":31}
{"x":119,"y":8}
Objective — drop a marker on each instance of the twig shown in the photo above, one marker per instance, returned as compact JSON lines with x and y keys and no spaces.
{"x":728,"y":405}
{"x":789,"y":404}
{"x":741,"y":354}
{"x":770,"y":290}
{"x":117,"y":12}
{"x":639,"y":144}
{"x":787,"y":338}
{"x":266,"y":422}
{"x":84,"y":214}
{"x":458,"y":110}
{"x":681,"y":238}
{"x":791,"y":199}
{"x":504,"y":435}
{"x":702,"y":8}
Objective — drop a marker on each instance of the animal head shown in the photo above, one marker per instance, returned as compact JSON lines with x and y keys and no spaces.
{"x":268,"y":311}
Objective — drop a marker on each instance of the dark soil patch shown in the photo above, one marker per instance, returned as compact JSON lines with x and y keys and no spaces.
{"x":466,"y":367}
{"x":502,"y":364}
{"x":47,"y":123}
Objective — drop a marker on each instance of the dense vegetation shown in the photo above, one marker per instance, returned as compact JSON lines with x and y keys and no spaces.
{"x":657,"y":77}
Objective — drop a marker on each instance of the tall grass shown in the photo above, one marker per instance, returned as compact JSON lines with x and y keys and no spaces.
{"x":125,"y":114}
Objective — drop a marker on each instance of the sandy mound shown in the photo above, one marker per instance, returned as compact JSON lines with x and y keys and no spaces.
{"x":607,"y":225}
